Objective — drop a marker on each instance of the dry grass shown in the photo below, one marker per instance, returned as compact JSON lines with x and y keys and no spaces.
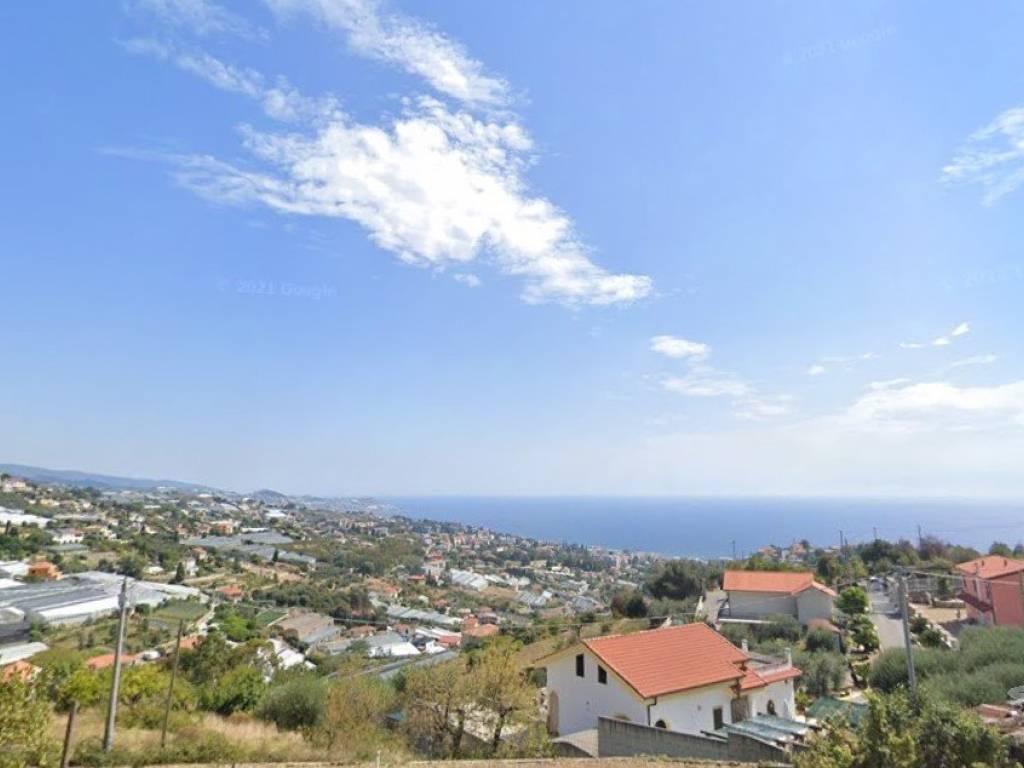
{"x":256,"y":741}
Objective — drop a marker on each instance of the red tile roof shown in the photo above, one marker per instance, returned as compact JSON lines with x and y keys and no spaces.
{"x":661,"y":661}
{"x":784,"y":582}
{"x":991,"y":567}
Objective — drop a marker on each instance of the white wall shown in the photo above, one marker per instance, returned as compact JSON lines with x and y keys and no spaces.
{"x":760,"y":604}
{"x":582,"y":700}
{"x":693,"y":711}
{"x":782,"y":693}
{"x":814,"y":604}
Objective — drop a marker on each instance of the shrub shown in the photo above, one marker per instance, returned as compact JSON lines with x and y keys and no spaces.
{"x":853,"y":601}
{"x":820,"y":640}
{"x":24,"y":724}
{"x":931,"y":638}
{"x":240,"y":690}
{"x":295,"y":704}
{"x":779,"y":627}
{"x":823,"y":672}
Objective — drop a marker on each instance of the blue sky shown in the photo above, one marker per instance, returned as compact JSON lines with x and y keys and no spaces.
{"x":342,"y":246}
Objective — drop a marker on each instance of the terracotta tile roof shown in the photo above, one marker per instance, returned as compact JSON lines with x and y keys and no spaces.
{"x":661,"y":661}
{"x":106,"y":660}
{"x":991,"y":567}
{"x":785,"y":582}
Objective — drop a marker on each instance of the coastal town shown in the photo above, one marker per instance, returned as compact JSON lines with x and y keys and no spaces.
{"x":269,"y":603}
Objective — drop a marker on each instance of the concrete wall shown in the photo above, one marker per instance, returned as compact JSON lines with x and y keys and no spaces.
{"x":581,"y":700}
{"x":757,"y":605}
{"x":814,"y":604}
{"x":619,"y":739}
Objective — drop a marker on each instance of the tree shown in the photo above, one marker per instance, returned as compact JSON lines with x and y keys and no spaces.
{"x":439,"y":700}
{"x":504,"y":690}
{"x":354,"y":713}
{"x":678,"y":580}
{"x":629,"y":603}
{"x":864,"y":634}
{"x":853,"y":601}
{"x":24,"y":726}
{"x":823,"y":672}
{"x":297,"y":703}
{"x":999,"y":548}
{"x":240,"y":690}
{"x":179,"y":574}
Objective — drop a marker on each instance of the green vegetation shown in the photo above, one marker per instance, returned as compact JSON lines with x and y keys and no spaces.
{"x":898,"y":733}
{"x":853,"y":601}
{"x":990,"y":661}
{"x":174,"y":611}
{"x":24,"y":723}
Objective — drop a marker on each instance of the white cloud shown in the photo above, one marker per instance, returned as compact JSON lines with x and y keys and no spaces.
{"x":941,"y":341}
{"x":816,"y":370}
{"x":437,"y":188}
{"x":675,"y":347}
{"x":939,"y":404}
{"x":992,"y":157}
{"x":201,"y":17}
{"x":279,"y":100}
{"x":705,"y":381}
{"x":467,"y":278}
{"x":848,"y":359}
{"x":974,"y":360}
{"x":409,"y":43}
{"x":888,"y":384}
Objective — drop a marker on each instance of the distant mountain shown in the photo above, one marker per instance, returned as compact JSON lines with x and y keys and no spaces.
{"x":78,"y":479}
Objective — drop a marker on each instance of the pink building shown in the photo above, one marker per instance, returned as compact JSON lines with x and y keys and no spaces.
{"x":994,"y":590}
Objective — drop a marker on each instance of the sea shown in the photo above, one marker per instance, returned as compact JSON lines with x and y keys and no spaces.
{"x":717,"y":527}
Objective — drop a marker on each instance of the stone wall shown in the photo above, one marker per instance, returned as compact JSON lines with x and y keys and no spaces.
{"x":616,"y":738}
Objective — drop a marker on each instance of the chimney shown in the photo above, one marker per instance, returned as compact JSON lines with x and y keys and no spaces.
{"x":745,"y":645}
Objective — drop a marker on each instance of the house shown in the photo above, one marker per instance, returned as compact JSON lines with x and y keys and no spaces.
{"x":759,"y":594}
{"x":68,"y":536}
{"x":231,"y":592}
{"x":687,"y":679}
{"x":43,"y":570}
{"x":993,"y":588}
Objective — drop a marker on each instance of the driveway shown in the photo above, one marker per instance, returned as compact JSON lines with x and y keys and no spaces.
{"x":884,"y":615}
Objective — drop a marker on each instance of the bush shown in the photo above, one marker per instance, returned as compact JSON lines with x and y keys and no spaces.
{"x":820,"y":640}
{"x":823,"y":672}
{"x":853,"y":601}
{"x":918,"y":624}
{"x":779,"y":627}
{"x":932,"y":638}
{"x":199,"y":748}
{"x":240,"y":690}
{"x":24,"y":724}
{"x":296,"y":704}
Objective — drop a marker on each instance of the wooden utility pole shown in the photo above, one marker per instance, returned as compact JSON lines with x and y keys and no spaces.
{"x":907,"y":638}
{"x":170,"y":686}
{"x":115,"y":685}
{"x":69,"y":734}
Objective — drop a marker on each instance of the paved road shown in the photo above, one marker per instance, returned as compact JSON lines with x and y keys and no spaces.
{"x":886,"y":620}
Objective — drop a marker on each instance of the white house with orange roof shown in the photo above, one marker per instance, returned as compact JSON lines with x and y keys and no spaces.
{"x":687,"y":679}
{"x":760,"y":594}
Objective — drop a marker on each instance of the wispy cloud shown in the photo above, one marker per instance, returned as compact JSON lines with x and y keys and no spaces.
{"x":974,"y":360}
{"x":940,"y":341}
{"x":407,"y":42}
{"x":678,"y":348}
{"x":816,"y":370}
{"x":992,"y":157}
{"x":439,"y":186}
{"x":904,"y":405}
{"x":467,"y":278}
{"x":201,"y":17}
{"x":701,"y":380}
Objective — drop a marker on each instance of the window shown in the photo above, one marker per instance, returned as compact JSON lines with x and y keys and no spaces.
{"x":661,"y":724}
{"x":718,"y":718}
{"x":771,"y":707}
{"x":602,"y":675}
{"x":579,"y":665}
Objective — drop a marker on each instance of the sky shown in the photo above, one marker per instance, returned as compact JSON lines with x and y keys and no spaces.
{"x":525,"y":248}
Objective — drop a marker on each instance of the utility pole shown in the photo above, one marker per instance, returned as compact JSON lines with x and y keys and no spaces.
{"x":170,"y":687}
{"x":920,"y":538}
{"x":874,"y":532}
{"x":69,"y":734}
{"x":907,"y":641}
{"x":122,"y":601}
{"x":734,"y":549}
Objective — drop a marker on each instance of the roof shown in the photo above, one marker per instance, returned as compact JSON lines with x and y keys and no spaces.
{"x":991,"y":567}
{"x":784,"y":582}
{"x":661,"y":661}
